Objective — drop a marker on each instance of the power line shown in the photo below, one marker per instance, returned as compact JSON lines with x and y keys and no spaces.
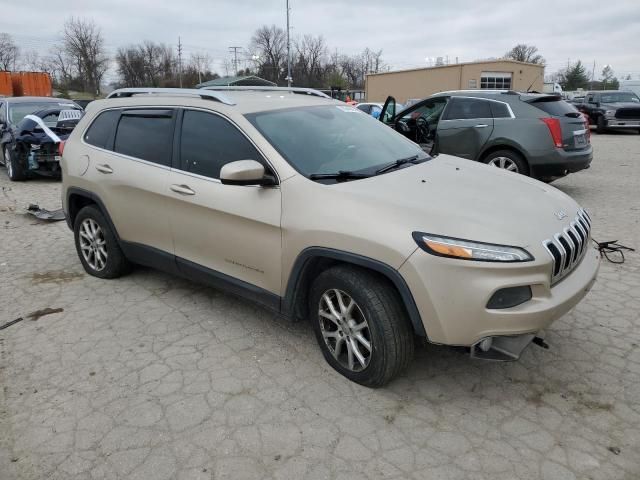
{"x":235,"y":58}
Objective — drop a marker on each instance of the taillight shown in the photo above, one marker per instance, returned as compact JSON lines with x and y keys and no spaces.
{"x":555,"y":130}
{"x":61,"y":147}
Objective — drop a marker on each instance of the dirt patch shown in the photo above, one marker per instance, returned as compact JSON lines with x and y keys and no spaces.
{"x":55,"y":276}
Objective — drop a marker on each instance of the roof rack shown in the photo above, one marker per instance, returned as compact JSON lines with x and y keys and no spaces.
{"x":299,"y":90}
{"x":207,"y":95}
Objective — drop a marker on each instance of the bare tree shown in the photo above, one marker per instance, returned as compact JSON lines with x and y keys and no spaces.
{"x":269,"y":45}
{"x":525,"y":53}
{"x":9,"y":52}
{"x":147,"y":64}
{"x":83,"y":41}
{"x":310,"y":61}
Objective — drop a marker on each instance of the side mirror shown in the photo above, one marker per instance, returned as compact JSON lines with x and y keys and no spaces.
{"x":245,"y":172}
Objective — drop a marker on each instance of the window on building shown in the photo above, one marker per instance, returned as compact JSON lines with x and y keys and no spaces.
{"x":496,"y":80}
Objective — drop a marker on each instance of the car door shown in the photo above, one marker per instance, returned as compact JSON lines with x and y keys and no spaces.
{"x":225,"y":232}
{"x":128,"y":165}
{"x":465,"y":127}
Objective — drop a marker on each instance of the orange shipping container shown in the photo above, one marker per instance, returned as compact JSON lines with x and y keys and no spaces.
{"x":6,"y":87}
{"x":37,"y":84}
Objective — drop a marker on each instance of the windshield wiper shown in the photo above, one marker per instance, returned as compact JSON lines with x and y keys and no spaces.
{"x":397,"y":163}
{"x":339,"y":175}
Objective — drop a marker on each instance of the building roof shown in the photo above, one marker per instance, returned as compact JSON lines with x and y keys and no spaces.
{"x":451,"y":65}
{"x":246,"y":81}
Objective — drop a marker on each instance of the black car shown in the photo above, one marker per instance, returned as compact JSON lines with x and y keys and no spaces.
{"x":31,"y":131}
{"x":612,"y":109}
{"x":533,"y":134}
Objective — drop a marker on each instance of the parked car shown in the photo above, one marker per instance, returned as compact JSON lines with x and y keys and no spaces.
{"x":31,"y":129}
{"x":612,"y":109}
{"x":538,"y":135}
{"x":302,"y":204}
{"x":374,"y":109}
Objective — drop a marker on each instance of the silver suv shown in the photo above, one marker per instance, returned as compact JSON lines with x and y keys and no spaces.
{"x":316,"y":211}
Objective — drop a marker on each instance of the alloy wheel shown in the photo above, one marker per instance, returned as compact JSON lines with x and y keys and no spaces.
{"x":7,"y":162}
{"x":93,"y":244}
{"x":505,"y":163}
{"x":345,"y":330}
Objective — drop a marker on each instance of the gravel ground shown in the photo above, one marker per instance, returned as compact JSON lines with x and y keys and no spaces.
{"x":154,"y":377}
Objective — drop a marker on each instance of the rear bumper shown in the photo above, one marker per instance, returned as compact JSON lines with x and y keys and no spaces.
{"x":559,"y":162}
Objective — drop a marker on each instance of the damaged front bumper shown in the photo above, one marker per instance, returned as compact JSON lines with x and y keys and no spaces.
{"x":502,"y":348}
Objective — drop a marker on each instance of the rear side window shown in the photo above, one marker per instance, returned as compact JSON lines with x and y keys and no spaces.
{"x":207,"y":142}
{"x":146,"y":134}
{"x":467,"y":108}
{"x":557,"y":108}
{"x":100,"y":131}
{"x":499,"y":110}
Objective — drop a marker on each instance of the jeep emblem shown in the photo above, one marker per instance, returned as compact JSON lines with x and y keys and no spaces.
{"x":560,"y":214}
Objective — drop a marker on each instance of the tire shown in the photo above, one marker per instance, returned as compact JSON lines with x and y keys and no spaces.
{"x":14,"y":170}
{"x":93,"y":235}
{"x":508,"y":160}
{"x":378,"y":306}
{"x":601,"y":125}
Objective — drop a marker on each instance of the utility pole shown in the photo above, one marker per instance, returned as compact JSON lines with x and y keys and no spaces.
{"x":180,"y":61}
{"x":235,"y":58}
{"x":593,"y":74}
{"x":289,"y":79}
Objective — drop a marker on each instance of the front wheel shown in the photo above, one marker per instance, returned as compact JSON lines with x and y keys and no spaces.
{"x":360,"y":325}
{"x":601,"y":124}
{"x":508,"y":160}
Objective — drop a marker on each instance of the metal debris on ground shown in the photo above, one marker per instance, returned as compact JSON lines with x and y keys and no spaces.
{"x":47,"y":215}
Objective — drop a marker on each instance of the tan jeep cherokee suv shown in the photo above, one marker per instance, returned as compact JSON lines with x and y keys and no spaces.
{"x":316,"y":210}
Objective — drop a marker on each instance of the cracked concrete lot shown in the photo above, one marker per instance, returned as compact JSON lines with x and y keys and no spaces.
{"x":154,"y":377}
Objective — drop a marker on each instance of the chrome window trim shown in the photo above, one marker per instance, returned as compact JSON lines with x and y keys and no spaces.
{"x":511,"y":114}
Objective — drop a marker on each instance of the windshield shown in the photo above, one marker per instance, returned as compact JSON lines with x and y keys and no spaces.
{"x":616,"y":97}
{"x":18,"y":111}
{"x":332,"y":138}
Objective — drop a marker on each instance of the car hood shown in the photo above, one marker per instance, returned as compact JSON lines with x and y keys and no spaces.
{"x":621,"y":105}
{"x":459,"y":198}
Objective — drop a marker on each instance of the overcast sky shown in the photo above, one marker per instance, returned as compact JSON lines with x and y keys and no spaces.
{"x":408,"y":32}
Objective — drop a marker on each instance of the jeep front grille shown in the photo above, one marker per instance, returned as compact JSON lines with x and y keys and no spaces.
{"x":569,"y":246}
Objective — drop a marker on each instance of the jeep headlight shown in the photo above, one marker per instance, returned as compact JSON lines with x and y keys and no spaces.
{"x":470,"y":250}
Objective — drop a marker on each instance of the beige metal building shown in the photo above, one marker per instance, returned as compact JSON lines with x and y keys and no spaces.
{"x":422,"y":82}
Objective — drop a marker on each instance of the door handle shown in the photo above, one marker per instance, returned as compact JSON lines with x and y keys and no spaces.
{"x":104,"y":168}
{"x":481,"y":125}
{"x":182,"y":189}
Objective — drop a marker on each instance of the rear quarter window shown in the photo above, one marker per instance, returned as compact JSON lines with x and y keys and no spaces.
{"x":101,"y":129}
{"x":557,"y":108}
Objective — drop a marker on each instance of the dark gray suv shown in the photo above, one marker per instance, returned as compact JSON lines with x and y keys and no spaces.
{"x":534,"y":134}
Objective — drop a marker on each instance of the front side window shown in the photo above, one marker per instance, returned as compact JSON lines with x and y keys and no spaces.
{"x":100,"y":131}
{"x":467,"y":109}
{"x":332,"y":138}
{"x":208,"y":141}
{"x":146,"y":134}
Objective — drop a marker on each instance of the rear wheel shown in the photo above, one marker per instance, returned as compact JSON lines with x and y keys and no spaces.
{"x":14,"y":170}
{"x":360,"y":325}
{"x":508,"y":160}
{"x":97,"y":245}
{"x":601,"y":124}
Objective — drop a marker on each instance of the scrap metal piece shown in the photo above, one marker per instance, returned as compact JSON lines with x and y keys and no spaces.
{"x":47,"y":215}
